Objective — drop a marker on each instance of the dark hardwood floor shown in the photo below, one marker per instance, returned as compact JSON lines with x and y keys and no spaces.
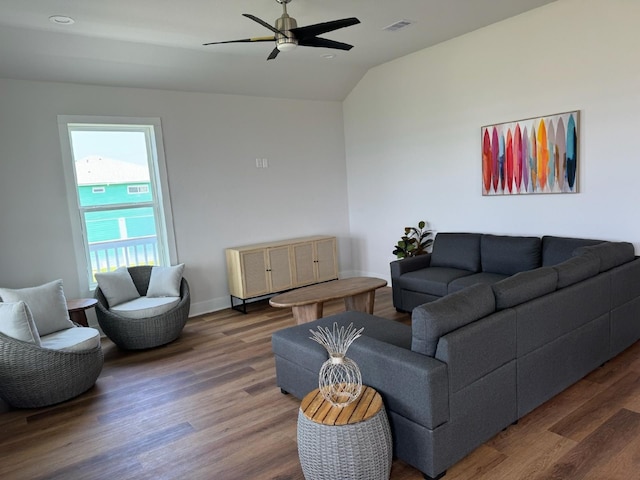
{"x":206,"y":407}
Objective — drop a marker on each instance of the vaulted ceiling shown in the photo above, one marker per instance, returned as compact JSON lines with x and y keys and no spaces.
{"x":158,"y":43}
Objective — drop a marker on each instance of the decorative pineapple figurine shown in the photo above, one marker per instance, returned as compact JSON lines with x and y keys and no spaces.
{"x":339,"y":381}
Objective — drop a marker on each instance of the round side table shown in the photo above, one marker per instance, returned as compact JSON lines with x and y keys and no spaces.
{"x":348,"y":443}
{"x":77,"y":307}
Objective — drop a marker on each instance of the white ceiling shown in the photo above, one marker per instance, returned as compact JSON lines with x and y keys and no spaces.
{"x":158,"y":43}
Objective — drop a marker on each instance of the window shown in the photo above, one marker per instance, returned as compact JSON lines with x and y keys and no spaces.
{"x":118,"y":198}
{"x":133,"y":189}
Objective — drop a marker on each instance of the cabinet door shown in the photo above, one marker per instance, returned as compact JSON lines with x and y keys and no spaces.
{"x":304,"y":265}
{"x":326,"y":262}
{"x":280,"y":268}
{"x":255,"y":275}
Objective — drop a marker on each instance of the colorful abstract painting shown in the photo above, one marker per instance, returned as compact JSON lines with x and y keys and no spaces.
{"x":536,"y":155}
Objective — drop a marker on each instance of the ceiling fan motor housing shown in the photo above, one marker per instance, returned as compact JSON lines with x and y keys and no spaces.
{"x":288,"y":41}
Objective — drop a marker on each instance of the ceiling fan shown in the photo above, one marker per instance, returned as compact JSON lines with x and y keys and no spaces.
{"x":288,"y":35}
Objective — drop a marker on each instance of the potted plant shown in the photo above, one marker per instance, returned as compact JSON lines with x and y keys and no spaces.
{"x":415,"y":241}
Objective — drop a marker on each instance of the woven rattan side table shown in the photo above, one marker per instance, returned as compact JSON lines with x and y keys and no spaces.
{"x":344,"y":443}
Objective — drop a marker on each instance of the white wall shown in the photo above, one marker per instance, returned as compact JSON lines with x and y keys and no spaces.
{"x":412,"y":129}
{"x":219,"y":197}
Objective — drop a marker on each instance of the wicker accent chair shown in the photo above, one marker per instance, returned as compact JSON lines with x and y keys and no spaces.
{"x":138,"y":334}
{"x":32,"y":376}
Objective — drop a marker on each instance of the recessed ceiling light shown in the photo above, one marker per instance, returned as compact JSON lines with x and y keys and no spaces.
{"x":328,"y":56}
{"x":61,"y":20}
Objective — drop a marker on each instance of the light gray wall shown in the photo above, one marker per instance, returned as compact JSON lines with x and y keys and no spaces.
{"x":412,"y":129}
{"x":219,"y":197}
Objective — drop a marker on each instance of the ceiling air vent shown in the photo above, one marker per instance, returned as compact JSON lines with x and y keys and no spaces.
{"x":394,"y":27}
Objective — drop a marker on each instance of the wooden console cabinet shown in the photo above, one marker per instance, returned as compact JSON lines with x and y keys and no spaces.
{"x":266,"y":268}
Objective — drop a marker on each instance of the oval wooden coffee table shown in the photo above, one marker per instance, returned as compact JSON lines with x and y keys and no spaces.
{"x":306,"y":303}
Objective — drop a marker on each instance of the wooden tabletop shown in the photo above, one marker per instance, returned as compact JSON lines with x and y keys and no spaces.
{"x":81,"y":304}
{"x":323,"y":292}
{"x":317,"y":409}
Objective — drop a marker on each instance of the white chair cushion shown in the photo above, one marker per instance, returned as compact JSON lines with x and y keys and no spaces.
{"x":47,"y":304}
{"x":165,"y":281}
{"x":145,"y":307}
{"x":75,"y":339}
{"x":117,"y":286}
{"x":17,"y":322}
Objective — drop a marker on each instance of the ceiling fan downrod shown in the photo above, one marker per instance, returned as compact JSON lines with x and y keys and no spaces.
{"x":285,"y":24}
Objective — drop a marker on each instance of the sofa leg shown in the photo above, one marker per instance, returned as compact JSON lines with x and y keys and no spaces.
{"x":283,"y":391}
{"x":437,"y":477}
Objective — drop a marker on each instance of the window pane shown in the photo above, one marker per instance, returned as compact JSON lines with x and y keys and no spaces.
{"x":120,"y":224}
{"x":121,"y":237}
{"x":115,"y":161}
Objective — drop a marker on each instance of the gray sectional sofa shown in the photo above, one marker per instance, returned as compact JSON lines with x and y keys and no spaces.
{"x":476,"y":360}
{"x":462,"y":259}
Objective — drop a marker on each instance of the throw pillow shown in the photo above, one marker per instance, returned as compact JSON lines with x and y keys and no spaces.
{"x":17,"y":322}
{"x":165,"y":281}
{"x":117,"y":286}
{"x":47,"y":304}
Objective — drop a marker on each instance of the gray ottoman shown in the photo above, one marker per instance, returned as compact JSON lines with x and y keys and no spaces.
{"x":298,"y":358}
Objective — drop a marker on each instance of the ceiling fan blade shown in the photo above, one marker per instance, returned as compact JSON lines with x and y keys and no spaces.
{"x":320,"y":28}
{"x":324,"y":42}
{"x":254,"y":39}
{"x":263,"y":23}
{"x":274,"y":53}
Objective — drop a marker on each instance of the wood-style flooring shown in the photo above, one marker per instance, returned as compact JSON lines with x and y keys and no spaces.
{"x":207,"y":407}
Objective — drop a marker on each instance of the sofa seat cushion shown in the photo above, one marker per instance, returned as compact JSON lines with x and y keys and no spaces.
{"x":432,"y":280}
{"x":457,"y":250}
{"x":295,"y":344}
{"x":145,"y":307}
{"x":74,"y":339}
{"x":524,"y":286}
{"x":481,"y":277}
{"x":556,"y":250}
{"x":611,"y":254}
{"x":576,"y":269}
{"x":509,"y":255}
{"x":432,"y":320}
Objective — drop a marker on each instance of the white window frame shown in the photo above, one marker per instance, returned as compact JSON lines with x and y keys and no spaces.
{"x":158,"y":173}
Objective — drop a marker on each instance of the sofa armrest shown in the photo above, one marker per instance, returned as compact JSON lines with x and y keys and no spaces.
{"x":412,"y":385}
{"x":398,"y":267}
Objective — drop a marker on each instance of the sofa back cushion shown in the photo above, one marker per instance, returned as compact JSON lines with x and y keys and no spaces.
{"x":524,"y":286}
{"x":434,"y":319}
{"x":508,"y":255}
{"x":457,"y":250}
{"x":556,"y":250}
{"x":611,"y":254}
{"x":576,"y":269}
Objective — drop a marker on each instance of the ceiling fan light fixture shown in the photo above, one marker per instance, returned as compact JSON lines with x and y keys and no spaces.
{"x":287,"y":44}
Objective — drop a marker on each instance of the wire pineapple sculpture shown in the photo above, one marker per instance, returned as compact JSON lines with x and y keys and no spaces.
{"x":339,"y":381}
